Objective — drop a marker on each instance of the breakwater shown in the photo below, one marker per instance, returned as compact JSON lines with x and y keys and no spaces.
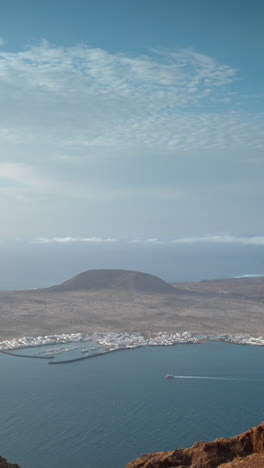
{"x":25,"y":355}
{"x":81,"y":358}
{"x":89,"y":356}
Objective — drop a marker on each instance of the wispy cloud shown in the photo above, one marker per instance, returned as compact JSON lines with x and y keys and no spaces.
{"x":248,"y":276}
{"x":213,"y":239}
{"x":242,"y":240}
{"x":209,"y":239}
{"x":84,"y":103}
{"x":2,"y":41}
{"x":98,"y":72}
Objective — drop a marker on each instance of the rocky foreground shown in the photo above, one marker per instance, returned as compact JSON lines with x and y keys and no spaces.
{"x":4,"y":464}
{"x":242,"y":451}
{"x":245,"y":450}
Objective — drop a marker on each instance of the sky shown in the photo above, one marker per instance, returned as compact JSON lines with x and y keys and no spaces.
{"x":131,"y":122}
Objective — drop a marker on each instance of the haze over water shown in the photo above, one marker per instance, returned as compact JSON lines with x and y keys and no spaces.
{"x":108,"y":410}
{"x":33,"y":266}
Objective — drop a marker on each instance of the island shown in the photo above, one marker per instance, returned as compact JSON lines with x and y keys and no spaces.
{"x":123,"y":309}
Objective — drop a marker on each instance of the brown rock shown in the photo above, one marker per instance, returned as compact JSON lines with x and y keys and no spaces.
{"x":211,"y":454}
{"x":4,"y":464}
{"x":251,"y":461}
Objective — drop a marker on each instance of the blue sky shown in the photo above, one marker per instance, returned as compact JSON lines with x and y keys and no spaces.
{"x":132,"y":121}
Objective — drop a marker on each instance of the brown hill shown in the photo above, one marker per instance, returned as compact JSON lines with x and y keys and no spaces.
{"x":243,"y":451}
{"x":115,"y":279}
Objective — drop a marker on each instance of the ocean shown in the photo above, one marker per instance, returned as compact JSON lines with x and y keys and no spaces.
{"x":28,"y":266}
{"x":105,"y":411}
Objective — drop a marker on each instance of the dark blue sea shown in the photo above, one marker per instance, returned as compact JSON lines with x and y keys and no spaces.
{"x":105,"y":411}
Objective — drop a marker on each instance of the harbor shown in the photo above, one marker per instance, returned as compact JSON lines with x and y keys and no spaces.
{"x":108,"y":342}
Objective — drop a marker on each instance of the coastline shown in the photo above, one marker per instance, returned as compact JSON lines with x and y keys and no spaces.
{"x":125,"y":340}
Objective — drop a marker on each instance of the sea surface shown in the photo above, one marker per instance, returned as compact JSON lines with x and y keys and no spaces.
{"x":28,"y":266}
{"x":103,"y":412}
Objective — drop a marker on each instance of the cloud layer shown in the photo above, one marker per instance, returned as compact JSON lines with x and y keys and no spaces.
{"x":80,"y":126}
{"x":79,"y":103}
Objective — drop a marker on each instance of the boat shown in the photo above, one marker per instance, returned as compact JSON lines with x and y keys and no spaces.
{"x":169,"y":376}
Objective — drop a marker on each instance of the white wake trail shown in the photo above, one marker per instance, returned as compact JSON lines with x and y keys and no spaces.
{"x":198,"y":377}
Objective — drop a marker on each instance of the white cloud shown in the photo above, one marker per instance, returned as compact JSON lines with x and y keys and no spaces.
{"x":210,"y":239}
{"x":69,"y":239}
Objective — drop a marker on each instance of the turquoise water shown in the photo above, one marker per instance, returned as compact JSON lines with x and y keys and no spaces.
{"x":105,"y":411}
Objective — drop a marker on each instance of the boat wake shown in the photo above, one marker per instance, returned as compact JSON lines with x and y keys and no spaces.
{"x":198,"y":377}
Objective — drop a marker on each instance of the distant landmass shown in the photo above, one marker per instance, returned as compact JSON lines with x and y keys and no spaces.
{"x":124,"y":280}
{"x":243,"y":451}
{"x":248,"y":287}
{"x":124,"y":300}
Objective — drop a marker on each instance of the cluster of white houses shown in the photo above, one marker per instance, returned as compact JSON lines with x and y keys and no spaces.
{"x":128,"y":339}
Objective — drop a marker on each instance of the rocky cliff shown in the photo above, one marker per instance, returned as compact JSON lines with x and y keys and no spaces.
{"x":243,"y":451}
{"x":4,"y":464}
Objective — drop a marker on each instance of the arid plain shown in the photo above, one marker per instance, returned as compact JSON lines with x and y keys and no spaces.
{"x":120,"y":300}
